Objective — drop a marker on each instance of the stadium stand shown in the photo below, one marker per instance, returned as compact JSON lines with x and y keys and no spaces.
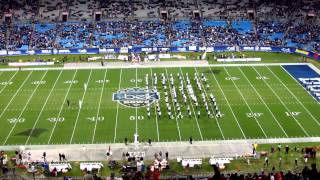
{"x":19,"y":38}
{"x":43,"y":36}
{"x":185,"y":33}
{"x":270,"y":32}
{"x":74,"y":35}
{"x":223,"y":23}
{"x":3,"y":31}
{"x":148,"y":33}
{"x":111,"y":34}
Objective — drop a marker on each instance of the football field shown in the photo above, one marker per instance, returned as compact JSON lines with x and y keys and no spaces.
{"x":90,"y":106}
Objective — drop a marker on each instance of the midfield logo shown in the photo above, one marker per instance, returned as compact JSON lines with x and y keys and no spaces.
{"x":136,"y":97}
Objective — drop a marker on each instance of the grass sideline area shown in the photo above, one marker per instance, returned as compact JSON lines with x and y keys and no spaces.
{"x":267,"y":57}
{"x":239,"y":165}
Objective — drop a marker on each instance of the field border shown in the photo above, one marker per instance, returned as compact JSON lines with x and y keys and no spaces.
{"x":97,"y":152}
{"x":168,"y":64}
{"x":184,"y":144}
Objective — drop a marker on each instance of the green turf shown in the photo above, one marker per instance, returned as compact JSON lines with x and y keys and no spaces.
{"x":29,"y":106}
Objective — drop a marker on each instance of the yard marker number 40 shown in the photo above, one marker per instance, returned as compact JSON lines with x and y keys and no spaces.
{"x":254,"y":114}
{"x":292,"y":113}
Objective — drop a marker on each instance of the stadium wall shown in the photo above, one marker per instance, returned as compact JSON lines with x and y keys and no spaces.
{"x":162,"y":49}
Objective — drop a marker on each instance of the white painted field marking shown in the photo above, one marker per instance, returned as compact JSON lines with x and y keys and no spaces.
{"x":15,"y":94}
{"x":254,"y":114}
{"x":174,"y":108}
{"x":9,"y":81}
{"x":245,"y":101}
{"x":205,"y":92}
{"x":16,"y":120}
{"x":310,"y":114}
{"x":61,"y":107}
{"x":4,"y":83}
{"x":38,"y":82}
{"x":225,"y":97}
{"x":194,"y":113}
{"x":293,"y":113}
{"x":77,"y":118}
{"x":232,"y":78}
{"x":262,"y":77}
{"x":137,"y":107}
{"x":155,"y":109}
{"x":24,"y":108}
{"x":43,"y":107}
{"x":116,"y":125}
{"x":103,"y":81}
{"x":283,"y":104}
{"x":95,"y":118}
{"x":135,"y":118}
{"x":98,"y":112}
{"x":71,"y":82}
{"x":263,"y":101}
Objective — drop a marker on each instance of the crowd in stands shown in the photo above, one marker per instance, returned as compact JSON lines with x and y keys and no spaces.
{"x":304,"y":34}
{"x":111,"y":34}
{"x":270,"y":33}
{"x":3,"y":30}
{"x":157,"y":33}
{"x":19,"y":37}
{"x":119,"y":32}
{"x":149,"y":33}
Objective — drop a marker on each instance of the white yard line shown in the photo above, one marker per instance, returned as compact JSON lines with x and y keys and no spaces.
{"x":315,"y":120}
{"x":136,"y":107}
{"x":79,"y":111}
{"x":245,"y":101}
{"x":98,"y":112}
{"x":9,"y":81}
{"x":194,"y":113}
{"x":24,"y":108}
{"x":43,"y":107}
{"x":155,"y":109}
{"x":116,"y":125}
{"x":225,"y":97}
{"x":302,"y":128}
{"x":205,"y":92}
{"x":15,"y":94}
{"x":174,"y":108}
{"x":61,"y":107}
{"x":255,"y":90}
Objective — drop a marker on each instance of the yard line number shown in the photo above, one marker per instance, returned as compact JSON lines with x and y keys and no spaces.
{"x":55,"y":119}
{"x":5,"y":83}
{"x":232,"y":78}
{"x":94,"y":118}
{"x":101,"y":81}
{"x":38,"y":82}
{"x":133,"y":118}
{"x":254,"y":114}
{"x":292,"y":113}
{"x":16,"y":120}
{"x":262,"y":78}
{"x":71,"y":82}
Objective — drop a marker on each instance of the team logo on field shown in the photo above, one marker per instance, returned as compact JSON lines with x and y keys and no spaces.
{"x":136,"y":97}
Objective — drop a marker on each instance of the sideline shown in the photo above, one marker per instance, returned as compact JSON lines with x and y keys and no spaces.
{"x":199,"y":149}
{"x":168,"y":64}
